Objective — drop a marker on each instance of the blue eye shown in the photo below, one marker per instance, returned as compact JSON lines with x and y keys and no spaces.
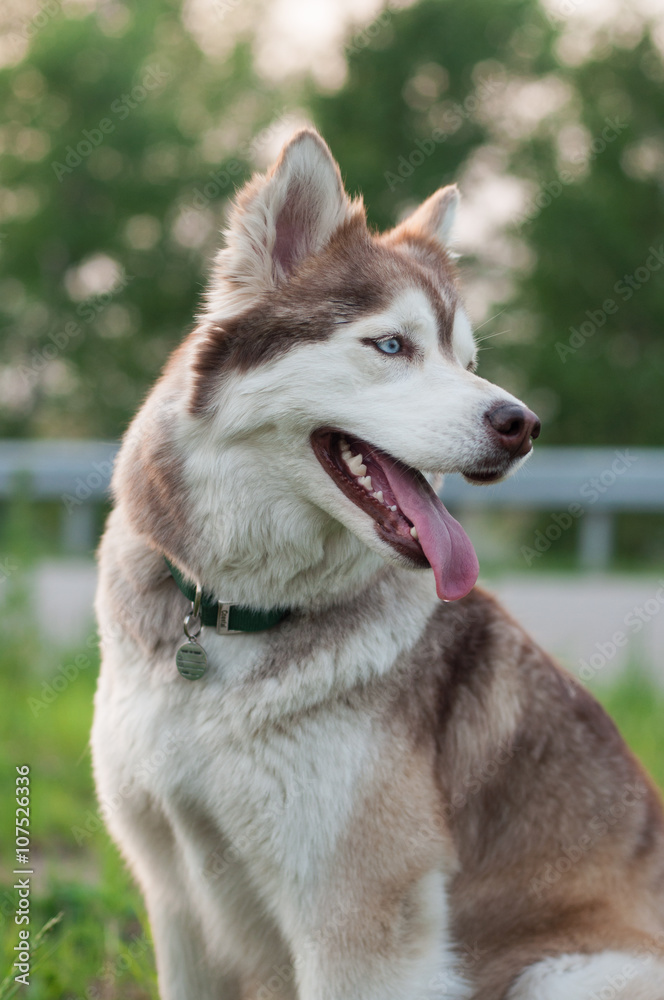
{"x":390,"y":346}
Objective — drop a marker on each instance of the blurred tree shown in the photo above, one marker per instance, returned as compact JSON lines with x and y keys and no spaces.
{"x":597,"y":289}
{"x":496,"y":90}
{"x":121,"y":144}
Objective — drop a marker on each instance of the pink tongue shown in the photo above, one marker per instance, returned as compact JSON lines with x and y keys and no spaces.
{"x":446,"y":545}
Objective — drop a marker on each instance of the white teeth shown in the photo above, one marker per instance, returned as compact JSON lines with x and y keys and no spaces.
{"x":366,"y":482}
{"x":379,"y":495}
{"x":393,"y":508}
{"x":346,"y":455}
{"x":355,"y":465}
{"x":414,"y":533}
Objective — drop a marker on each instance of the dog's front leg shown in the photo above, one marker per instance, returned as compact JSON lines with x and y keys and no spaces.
{"x":377,"y":946}
{"x":184,"y":965}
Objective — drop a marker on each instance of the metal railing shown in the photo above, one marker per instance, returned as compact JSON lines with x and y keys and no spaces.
{"x":585,"y":485}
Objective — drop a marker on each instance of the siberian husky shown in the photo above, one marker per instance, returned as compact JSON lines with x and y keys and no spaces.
{"x":358,"y":779}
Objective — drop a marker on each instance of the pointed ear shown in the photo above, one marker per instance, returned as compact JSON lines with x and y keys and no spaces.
{"x":283,"y":216}
{"x":434,"y":218}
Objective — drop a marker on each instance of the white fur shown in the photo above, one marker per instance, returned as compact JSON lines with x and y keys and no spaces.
{"x":244,"y":790}
{"x":248,"y":266}
{"x":436,"y":215}
{"x":612,"y":975}
{"x":269,"y":527}
{"x":464,"y":341}
{"x":255,"y":506}
{"x":256,"y":772}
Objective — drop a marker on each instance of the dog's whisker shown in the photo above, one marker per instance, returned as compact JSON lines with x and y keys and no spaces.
{"x":489,"y":336}
{"x":490,"y":319}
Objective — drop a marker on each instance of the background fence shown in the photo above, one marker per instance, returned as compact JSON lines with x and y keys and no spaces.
{"x":584,"y":485}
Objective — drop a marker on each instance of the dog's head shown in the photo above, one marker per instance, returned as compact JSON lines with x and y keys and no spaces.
{"x":349,"y":358}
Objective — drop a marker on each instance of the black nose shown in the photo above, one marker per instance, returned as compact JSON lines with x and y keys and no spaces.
{"x":513,"y":426}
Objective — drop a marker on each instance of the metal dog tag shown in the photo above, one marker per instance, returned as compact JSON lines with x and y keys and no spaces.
{"x":191,"y":660}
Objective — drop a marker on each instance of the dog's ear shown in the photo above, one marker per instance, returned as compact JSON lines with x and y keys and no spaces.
{"x":434,"y":218}
{"x":281,"y":217}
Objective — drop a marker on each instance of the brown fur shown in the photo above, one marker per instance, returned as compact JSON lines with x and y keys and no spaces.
{"x":139,"y":584}
{"x":148,"y":473}
{"x":490,"y":761}
{"x":492,"y":777}
{"x":478,"y":691}
{"x":354,"y":274}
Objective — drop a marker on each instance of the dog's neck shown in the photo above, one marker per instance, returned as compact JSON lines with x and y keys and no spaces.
{"x":226,"y":511}
{"x":255,"y":543}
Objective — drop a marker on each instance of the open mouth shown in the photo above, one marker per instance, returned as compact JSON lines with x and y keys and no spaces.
{"x":407,"y":513}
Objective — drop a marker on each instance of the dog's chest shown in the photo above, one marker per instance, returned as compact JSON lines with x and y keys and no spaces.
{"x":279,"y":791}
{"x":285,"y":797}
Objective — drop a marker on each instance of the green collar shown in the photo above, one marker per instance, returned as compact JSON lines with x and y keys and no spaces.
{"x":226,"y":618}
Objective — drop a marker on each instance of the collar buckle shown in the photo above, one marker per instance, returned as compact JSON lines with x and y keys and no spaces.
{"x":223,"y":619}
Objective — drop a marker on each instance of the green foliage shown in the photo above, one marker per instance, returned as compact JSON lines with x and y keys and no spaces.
{"x":100,"y":947}
{"x":492,"y":79}
{"x":9,"y":987}
{"x":594,"y":244}
{"x":420,"y":72}
{"x":107,"y":156}
{"x":592,"y":222}
{"x":637,"y":706}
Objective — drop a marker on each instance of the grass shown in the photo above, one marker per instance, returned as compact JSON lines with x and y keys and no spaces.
{"x":637,"y":706}
{"x":99,"y":947}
